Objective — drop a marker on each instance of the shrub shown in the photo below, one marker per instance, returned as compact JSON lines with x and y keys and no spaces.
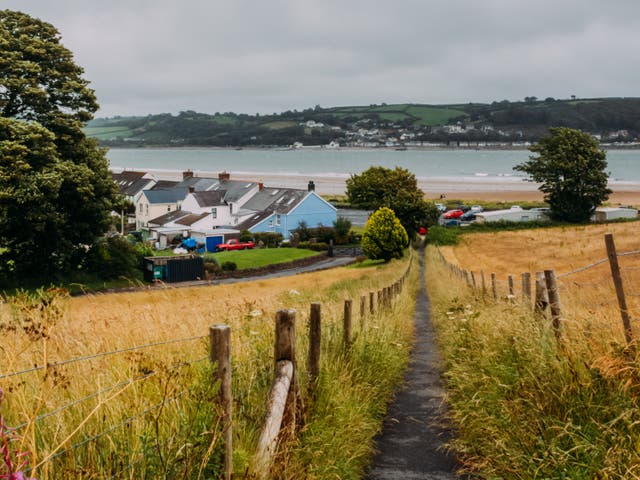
{"x":268,"y":239}
{"x":384,"y":236}
{"x":315,"y":246}
{"x":112,"y":258}
{"x":229,"y":266}
{"x":442,"y":236}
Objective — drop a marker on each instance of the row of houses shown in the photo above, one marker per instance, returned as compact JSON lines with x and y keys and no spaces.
{"x":211,"y":210}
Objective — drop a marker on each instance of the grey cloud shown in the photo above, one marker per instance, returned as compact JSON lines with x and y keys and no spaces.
{"x":253,"y":56}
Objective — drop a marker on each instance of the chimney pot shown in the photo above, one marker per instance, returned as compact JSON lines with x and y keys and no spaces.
{"x":260,"y":186}
{"x":187,"y":174}
{"x":192,"y":189}
{"x":312,"y":186}
{"x":224,"y":176}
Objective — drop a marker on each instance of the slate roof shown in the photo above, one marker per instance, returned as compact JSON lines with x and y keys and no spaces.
{"x":192,"y":218}
{"x":210,"y":198}
{"x":253,"y":220}
{"x":164,"y":185}
{"x":199,"y":183}
{"x":130,"y":182}
{"x":169,"y":217}
{"x":280,"y":200}
{"x":235,"y":189}
{"x":170,"y":195}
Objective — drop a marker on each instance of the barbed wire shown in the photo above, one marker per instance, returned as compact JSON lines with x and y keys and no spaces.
{"x":130,"y":419}
{"x":627,"y":254}
{"x":582,"y":269}
{"x":99,"y":355}
{"x":126,"y":469}
{"x":124,"y":383}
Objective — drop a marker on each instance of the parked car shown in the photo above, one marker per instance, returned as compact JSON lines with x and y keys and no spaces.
{"x":441,"y":207}
{"x":477,"y":208}
{"x":468,"y":216}
{"x":234,"y":244}
{"x":451,"y":214}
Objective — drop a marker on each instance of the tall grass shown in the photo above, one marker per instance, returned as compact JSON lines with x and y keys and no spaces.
{"x":526,"y":406}
{"x":150,"y":413}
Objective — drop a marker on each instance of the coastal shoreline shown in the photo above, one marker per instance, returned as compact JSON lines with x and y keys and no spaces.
{"x":511,"y":189}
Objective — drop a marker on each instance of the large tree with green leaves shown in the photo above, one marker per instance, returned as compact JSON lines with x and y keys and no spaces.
{"x":571,"y":168}
{"x":56,"y":191}
{"x":384,"y":236}
{"x":396,"y":189}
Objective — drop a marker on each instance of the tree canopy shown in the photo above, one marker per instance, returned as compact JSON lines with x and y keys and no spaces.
{"x":571,"y":169}
{"x":384,"y":236}
{"x":56,"y":191}
{"x":396,"y":189}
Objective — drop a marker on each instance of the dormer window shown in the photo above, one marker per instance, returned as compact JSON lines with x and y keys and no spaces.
{"x":214,"y":213}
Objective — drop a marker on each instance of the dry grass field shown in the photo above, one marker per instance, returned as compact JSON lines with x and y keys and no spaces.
{"x":131,"y":410}
{"x":587,"y":296}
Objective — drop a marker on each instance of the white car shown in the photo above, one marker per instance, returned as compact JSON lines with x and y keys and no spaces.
{"x":476,"y":208}
{"x":441,"y":207}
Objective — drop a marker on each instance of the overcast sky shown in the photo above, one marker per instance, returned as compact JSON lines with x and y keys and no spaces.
{"x":248,"y":56}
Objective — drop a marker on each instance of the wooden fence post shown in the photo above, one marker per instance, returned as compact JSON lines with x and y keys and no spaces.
{"x":617,"y":281}
{"x":285,"y":349}
{"x":347,"y":323}
{"x":542,"y":297}
{"x":554,"y":300}
{"x":363,"y":308}
{"x":494,"y":288}
{"x":526,"y":286}
{"x":372,"y":303}
{"x":511,"y":287}
{"x":315,"y":341}
{"x":220,"y":354}
{"x":484,"y":283}
{"x":380,"y":300}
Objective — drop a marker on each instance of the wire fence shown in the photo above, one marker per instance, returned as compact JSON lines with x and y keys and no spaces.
{"x":97,"y":422}
{"x":598,"y":288}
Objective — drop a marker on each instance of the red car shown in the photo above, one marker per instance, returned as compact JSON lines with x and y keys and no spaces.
{"x":453,"y":214}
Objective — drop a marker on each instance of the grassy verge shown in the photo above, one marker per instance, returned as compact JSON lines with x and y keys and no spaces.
{"x":525,"y":407}
{"x":354,"y":389}
{"x":260,"y":257}
{"x":150,"y":412}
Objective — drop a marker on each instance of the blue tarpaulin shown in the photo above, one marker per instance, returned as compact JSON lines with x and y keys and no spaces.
{"x":189,"y":243}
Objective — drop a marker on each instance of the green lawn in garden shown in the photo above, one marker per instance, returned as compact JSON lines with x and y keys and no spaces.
{"x":260,"y":257}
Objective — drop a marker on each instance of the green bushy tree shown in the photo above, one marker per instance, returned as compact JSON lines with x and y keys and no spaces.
{"x":571,"y":169}
{"x":56,"y":191}
{"x":384,"y":236}
{"x":396,"y":189}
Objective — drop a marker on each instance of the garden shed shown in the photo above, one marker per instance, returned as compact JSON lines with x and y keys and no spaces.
{"x":181,"y":268}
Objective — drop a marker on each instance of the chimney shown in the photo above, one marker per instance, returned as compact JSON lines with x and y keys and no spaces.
{"x":260,"y":185}
{"x":311,"y":187}
{"x":187,"y":174}
{"x":222,"y":176}
{"x":192,"y":189}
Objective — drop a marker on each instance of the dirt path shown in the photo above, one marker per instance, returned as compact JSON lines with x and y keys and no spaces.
{"x":410,"y":446}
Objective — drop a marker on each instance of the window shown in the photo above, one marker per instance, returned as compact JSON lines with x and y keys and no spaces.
{"x":140,"y":208}
{"x":278,"y":219}
{"x":231,"y":208}
{"x":146,"y":208}
{"x":214,"y":213}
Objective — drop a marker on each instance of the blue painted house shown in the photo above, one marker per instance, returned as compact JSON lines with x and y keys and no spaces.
{"x":281,"y":210}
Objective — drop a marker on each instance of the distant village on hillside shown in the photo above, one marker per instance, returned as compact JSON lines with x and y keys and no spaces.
{"x":613,"y":121}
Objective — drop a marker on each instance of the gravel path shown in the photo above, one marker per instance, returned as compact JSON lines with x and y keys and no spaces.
{"x":410,"y":446}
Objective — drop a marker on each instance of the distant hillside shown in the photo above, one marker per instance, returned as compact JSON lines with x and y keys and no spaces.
{"x":612,"y":119}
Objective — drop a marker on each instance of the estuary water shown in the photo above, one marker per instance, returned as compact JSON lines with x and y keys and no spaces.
{"x":455,"y":165}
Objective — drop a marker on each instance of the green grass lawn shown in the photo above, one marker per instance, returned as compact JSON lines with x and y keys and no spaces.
{"x":260,"y":257}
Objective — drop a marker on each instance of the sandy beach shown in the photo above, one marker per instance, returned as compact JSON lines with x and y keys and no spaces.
{"x":467,"y":189}
{"x":472,"y":189}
